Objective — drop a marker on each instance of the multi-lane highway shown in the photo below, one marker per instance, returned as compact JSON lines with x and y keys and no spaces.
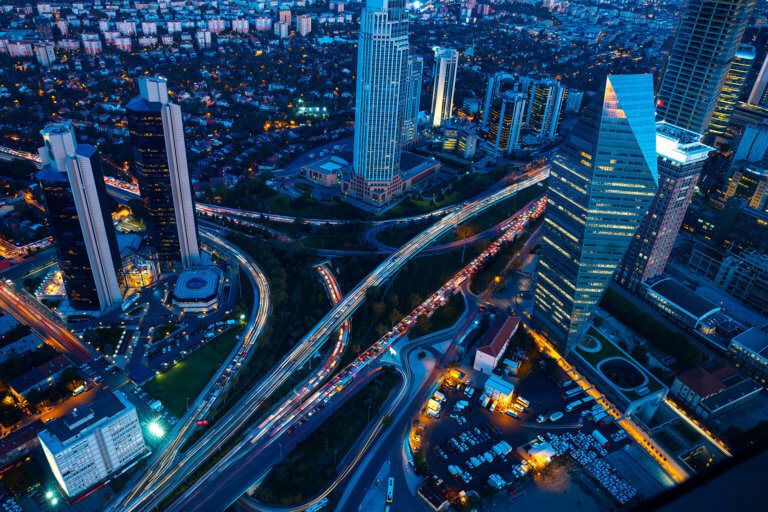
{"x":233,"y":474}
{"x":251,"y":403}
{"x":168,"y":456}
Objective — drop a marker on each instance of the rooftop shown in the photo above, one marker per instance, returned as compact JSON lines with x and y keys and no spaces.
{"x":105,"y":405}
{"x":35,"y":375}
{"x":502,"y":330}
{"x":683,"y":298}
{"x":197,"y":284}
{"x":701,"y":382}
{"x":755,"y":340}
{"x":678,"y":144}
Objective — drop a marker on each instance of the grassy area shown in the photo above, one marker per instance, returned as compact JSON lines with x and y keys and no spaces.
{"x":162,"y":331}
{"x":675,"y":343}
{"x":186,"y":379}
{"x":312,"y":464}
{"x":104,"y":338}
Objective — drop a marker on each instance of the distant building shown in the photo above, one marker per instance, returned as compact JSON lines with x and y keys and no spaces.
{"x":46,"y":54}
{"x":494,"y":343}
{"x":20,"y":442}
{"x":707,"y":37}
{"x":157,"y":136}
{"x":601,"y":183}
{"x":741,"y":66}
{"x":413,"y":79}
{"x":759,"y":93}
{"x":749,"y":352}
{"x":681,"y":305}
{"x":680,"y":159}
{"x":505,"y":126}
{"x":749,"y":183}
{"x":753,"y":145}
{"x":446,"y":66}
{"x":79,"y":219}
{"x":498,"y":83}
{"x":546,"y":98}
{"x":305,"y":25}
{"x":93,"y":443}
{"x":325,"y":171}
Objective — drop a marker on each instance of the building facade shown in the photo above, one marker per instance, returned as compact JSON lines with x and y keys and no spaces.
{"x":446,"y":66}
{"x":741,"y":67}
{"x":80,"y":222}
{"x":413,"y":77}
{"x":157,"y":136}
{"x":759,"y":93}
{"x":545,"y":105}
{"x":680,"y":159}
{"x":498,"y":83}
{"x":505,"y":127}
{"x":381,"y":91}
{"x":601,"y":184}
{"x":93,"y":443}
{"x":707,"y":37}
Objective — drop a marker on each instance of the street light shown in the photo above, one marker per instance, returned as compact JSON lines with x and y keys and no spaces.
{"x":156,"y":429}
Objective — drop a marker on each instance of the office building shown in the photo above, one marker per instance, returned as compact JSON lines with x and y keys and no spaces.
{"x":545,"y":105}
{"x":79,"y":219}
{"x":305,"y":25}
{"x":380,"y":101}
{"x":497,"y":84}
{"x":505,"y":127}
{"x":753,"y":145}
{"x":680,"y":159}
{"x":414,"y":73}
{"x":708,"y":35}
{"x":446,"y":66}
{"x":749,"y":352}
{"x":93,"y":443}
{"x":160,"y":155}
{"x":759,"y":94}
{"x":741,"y":66}
{"x":601,"y":183}
{"x":750,"y":183}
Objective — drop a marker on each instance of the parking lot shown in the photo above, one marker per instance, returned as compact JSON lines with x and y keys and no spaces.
{"x":493,"y":454}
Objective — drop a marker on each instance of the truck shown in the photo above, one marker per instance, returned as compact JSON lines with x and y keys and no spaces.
{"x":572,"y":392}
{"x":556,"y":416}
{"x":571,"y":406}
{"x":587,"y":399}
{"x":600,"y":438}
{"x":439,"y":396}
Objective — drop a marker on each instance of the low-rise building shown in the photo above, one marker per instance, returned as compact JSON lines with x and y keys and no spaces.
{"x":93,"y":443}
{"x":709,"y":394}
{"x":197,"y":290}
{"x":681,"y":305}
{"x":749,"y":352}
{"x":42,"y":377}
{"x":325,"y":171}
{"x":493,"y":345}
{"x":19,"y":347}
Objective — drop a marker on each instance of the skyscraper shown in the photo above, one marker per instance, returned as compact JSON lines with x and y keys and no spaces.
{"x":157,"y":136}
{"x":497,"y":84}
{"x":602,"y":181}
{"x":382,"y":64}
{"x":80,"y":222}
{"x":414,"y":73}
{"x":681,"y":156}
{"x":706,"y":41}
{"x":505,"y":126}
{"x":732,"y":89}
{"x":446,"y":65}
{"x":545,"y":105}
{"x":759,"y":93}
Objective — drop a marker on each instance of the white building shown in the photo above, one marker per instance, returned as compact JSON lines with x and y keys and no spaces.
{"x":488,"y":355}
{"x":305,"y":25}
{"x":93,"y":443}
{"x":45,"y":53}
{"x":446,"y":65}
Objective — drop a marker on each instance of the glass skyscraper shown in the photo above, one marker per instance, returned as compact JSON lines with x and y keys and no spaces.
{"x":602,"y":181}
{"x":415,"y":71}
{"x":706,"y":41}
{"x":157,"y":136}
{"x":446,"y":66}
{"x":733,"y":87}
{"x":380,"y":109}
{"x":75,"y":203}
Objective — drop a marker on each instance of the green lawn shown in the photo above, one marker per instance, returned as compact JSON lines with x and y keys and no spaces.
{"x":189,"y":377}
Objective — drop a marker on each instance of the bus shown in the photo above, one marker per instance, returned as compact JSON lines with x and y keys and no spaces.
{"x":390,"y":489}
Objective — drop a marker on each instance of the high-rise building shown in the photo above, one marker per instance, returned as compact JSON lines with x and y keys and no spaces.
{"x":601,"y":183}
{"x":446,"y":66}
{"x":706,"y":41}
{"x":380,"y":103}
{"x":753,"y":145}
{"x":545,"y":105}
{"x":93,"y":443}
{"x":45,"y":53}
{"x":505,"y":126}
{"x":759,"y":93}
{"x":741,"y":66}
{"x":498,"y":83}
{"x":413,"y":77}
{"x":79,"y":219}
{"x":284,"y":16}
{"x":157,"y":136}
{"x":750,"y":183}
{"x":305,"y":25}
{"x":681,"y":157}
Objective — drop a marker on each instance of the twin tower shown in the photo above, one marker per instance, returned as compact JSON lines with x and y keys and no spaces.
{"x":77,"y":204}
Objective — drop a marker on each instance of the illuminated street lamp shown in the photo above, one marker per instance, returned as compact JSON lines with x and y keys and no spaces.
{"x":155,"y":429}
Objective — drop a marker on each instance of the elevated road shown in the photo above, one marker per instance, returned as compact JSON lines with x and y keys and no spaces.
{"x":227,"y":427}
